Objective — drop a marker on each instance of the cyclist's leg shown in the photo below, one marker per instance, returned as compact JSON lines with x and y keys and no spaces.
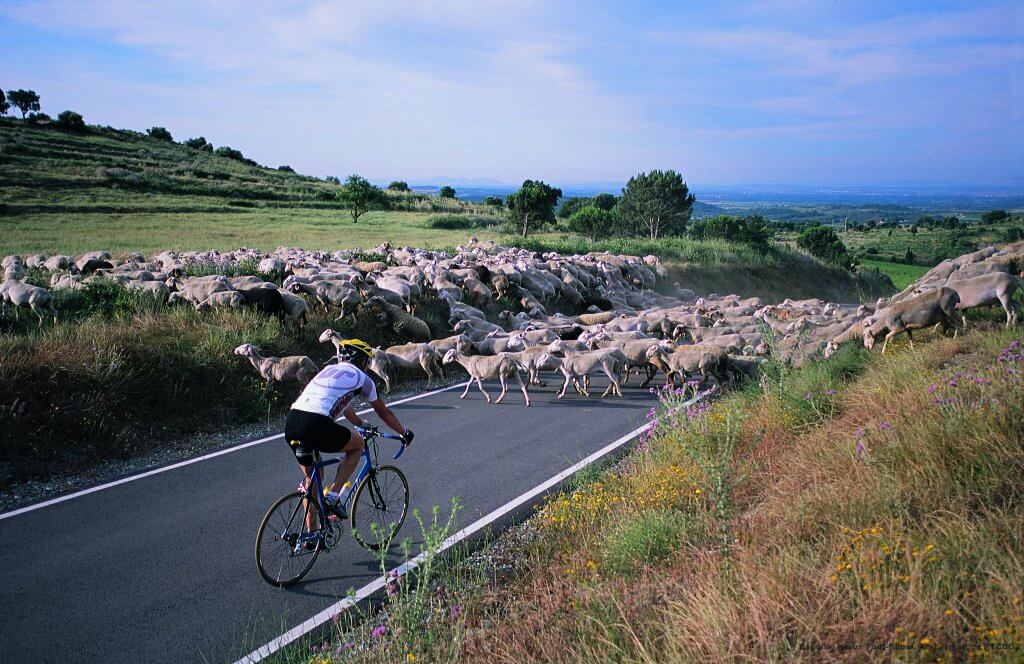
{"x":353,"y":450}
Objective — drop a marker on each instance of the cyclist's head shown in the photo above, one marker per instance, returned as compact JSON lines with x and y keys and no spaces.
{"x":355,"y":351}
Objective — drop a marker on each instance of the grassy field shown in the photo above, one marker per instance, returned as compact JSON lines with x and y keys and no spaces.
{"x":862,"y":509}
{"x":265,"y":229}
{"x":902,"y":275}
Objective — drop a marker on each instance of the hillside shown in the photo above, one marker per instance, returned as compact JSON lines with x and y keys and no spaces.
{"x":119,"y":190}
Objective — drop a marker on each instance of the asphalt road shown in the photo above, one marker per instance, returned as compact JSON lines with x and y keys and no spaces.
{"x":161,"y":569}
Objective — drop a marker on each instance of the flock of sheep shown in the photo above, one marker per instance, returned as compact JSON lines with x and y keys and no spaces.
{"x":577,"y":316}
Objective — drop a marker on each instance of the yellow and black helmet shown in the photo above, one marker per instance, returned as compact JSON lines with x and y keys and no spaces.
{"x":351,"y":349}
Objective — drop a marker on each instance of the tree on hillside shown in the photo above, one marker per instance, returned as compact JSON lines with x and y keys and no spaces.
{"x":160,"y":134}
{"x":25,"y":101}
{"x":994,"y":217}
{"x":333,"y":179}
{"x":199,"y":143}
{"x":533,"y":205}
{"x":604,"y":201}
{"x":446,"y":192}
{"x":656,"y":204}
{"x":398,"y":185}
{"x":71,"y":121}
{"x":38,"y":119}
{"x":286,"y":169}
{"x":229,"y":153}
{"x":4,"y":104}
{"x":822,"y":242}
{"x":572,"y":205}
{"x":593,"y":222}
{"x":752,"y":230}
{"x":359,"y":196}
{"x":494,"y":201}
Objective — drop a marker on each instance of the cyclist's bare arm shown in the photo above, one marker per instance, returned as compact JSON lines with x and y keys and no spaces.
{"x":351,"y":415}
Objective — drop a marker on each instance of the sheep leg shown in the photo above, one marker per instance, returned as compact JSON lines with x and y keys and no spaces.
{"x":565,"y":386}
{"x":425,"y":364}
{"x":466,"y":391}
{"x":504,"y":387}
{"x":522,"y":386}
{"x":910,"y":336}
{"x":484,"y":392}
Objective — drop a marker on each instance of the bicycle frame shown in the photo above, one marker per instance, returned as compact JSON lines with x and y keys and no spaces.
{"x":366,"y":466}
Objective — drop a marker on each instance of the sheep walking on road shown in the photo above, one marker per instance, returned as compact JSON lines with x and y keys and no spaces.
{"x":26,"y":296}
{"x":480,"y":367}
{"x":293,"y":368}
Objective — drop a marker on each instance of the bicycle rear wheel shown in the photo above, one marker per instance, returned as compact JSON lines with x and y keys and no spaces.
{"x":379,"y":507}
{"x":285,"y":548}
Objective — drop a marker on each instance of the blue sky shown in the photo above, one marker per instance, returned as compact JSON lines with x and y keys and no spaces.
{"x":828,"y":92}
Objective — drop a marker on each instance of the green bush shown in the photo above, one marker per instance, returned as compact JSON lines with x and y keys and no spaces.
{"x":752,"y":230}
{"x":460,"y":222}
{"x":822,"y":242}
{"x":70,"y":121}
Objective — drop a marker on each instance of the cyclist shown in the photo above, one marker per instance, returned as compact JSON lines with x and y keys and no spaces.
{"x":311,"y":425}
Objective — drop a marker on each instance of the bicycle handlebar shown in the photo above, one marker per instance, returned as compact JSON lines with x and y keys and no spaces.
{"x":372,"y":431}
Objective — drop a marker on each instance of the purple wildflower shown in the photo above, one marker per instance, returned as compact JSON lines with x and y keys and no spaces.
{"x":861,"y":450}
{"x":932,"y":388}
{"x":858,"y":433}
{"x":379,"y":631}
{"x":884,"y":426}
{"x":808,"y":396}
{"x":830,"y":393}
{"x":952,"y":382}
{"x":454,"y":611}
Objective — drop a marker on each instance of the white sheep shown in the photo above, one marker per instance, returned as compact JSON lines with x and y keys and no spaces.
{"x":575,"y":366}
{"x":297,"y":368}
{"x":481,"y":367}
{"x":26,"y":296}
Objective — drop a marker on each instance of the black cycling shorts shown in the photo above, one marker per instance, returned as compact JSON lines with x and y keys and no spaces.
{"x":309,"y":432}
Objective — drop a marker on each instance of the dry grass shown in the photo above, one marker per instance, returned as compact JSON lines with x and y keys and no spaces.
{"x":874,"y":518}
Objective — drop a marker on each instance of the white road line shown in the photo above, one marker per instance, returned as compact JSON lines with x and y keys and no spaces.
{"x":369,"y":589}
{"x":164,"y":469}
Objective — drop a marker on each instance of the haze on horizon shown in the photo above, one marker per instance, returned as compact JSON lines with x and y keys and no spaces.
{"x":787,"y":92}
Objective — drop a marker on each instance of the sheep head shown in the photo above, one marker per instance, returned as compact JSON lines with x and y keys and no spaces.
{"x":247,"y":350}
{"x":450,"y":356}
{"x":327,"y":336}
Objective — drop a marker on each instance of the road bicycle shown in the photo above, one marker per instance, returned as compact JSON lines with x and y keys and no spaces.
{"x":299,"y":525}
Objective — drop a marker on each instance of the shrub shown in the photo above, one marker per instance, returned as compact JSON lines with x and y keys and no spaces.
{"x":459,"y":222}
{"x":593,"y":222}
{"x":160,"y":134}
{"x":286,"y":169}
{"x":494,"y":201}
{"x":199,"y":143}
{"x":398,"y":185}
{"x":822,"y":242}
{"x":752,"y":230}
{"x":229,"y":153}
{"x":994,"y":217}
{"x":332,"y":179}
{"x":446,"y":192}
{"x":70,"y":121}
{"x":571,"y":206}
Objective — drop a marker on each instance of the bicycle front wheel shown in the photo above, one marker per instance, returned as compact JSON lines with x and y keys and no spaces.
{"x":379,"y":507}
{"x":286,"y":544}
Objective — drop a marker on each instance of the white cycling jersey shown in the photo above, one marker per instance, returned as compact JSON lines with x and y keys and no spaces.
{"x":333,"y":389}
